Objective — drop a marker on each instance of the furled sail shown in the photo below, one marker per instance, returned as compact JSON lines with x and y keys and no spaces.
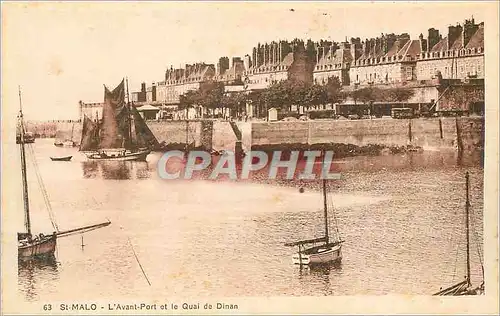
{"x":113,"y":134}
{"x":143,"y":135}
{"x":90,"y":135}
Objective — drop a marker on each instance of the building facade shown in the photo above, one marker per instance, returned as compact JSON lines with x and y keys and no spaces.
{"x":179,"y":81}
{"x":277,"y":61}
{"x":92,"y":110}
{"x":389,"y":59}
{"x":397,"y":59}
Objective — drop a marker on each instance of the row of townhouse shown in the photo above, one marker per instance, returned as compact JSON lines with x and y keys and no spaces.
{"x":389,"y":59}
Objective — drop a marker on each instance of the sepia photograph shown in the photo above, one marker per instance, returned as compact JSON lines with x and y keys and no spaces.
{"x":238,"y":157}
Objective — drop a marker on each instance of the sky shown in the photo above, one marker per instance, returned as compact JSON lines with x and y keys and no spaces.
{"x":60,"y":53}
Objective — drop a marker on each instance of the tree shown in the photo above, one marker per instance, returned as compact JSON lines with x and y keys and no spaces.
{"x":284,"y":94}
{"x":189,"y":100}
{"x":316,"y":94}
{"x":211,"y":93}
{"x":333,"y":90}
{"x":367,"y":94}
{"x":234,"y":101}
{"x":399,"y":94}
{"x":256,"y":97}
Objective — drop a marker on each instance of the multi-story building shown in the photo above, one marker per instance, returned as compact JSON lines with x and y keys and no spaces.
{"x":179,"y":81}
{"x":230,"y":74}
{"x":397,"y":59}
{"x":460,"y":55}
{"x":333,"y":60}
{"x":139,"y":96}
{"x":389,"y":59}
{"x":277,"y":61}
{"x":92,"y":110}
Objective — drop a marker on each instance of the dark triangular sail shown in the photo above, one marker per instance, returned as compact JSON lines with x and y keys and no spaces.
{"x":90,"y":135}
{"x":121,"y":126}
{"x":114,"y":133}
{"x":142,"y":134}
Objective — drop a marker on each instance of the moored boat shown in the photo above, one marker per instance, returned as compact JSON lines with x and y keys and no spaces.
{"x":28,"y":138}
{"x":323,"y":250}
{"x":64,"y":158}
{"x":465,"y":287}
{"x":121,"y":155}
{"x":121,"y":134}
{"x":36,"y":247}
{"x":32,"y":246}
{"x":67,"y":142}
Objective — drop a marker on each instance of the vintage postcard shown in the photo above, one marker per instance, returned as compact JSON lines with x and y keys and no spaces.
{"x":164,"y":158}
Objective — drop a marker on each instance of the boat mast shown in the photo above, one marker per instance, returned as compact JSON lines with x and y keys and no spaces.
{"x":467,"y":205}
{"x":325,"y":210}
{"x":72,"y":130}
{"x":27,"y":222}
{"x":187,"y":135}
{"x":129,"y":115}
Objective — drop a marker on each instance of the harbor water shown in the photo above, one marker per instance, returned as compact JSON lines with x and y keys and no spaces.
{"x":402,"y":218}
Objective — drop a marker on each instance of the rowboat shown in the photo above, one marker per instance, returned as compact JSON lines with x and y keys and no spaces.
{"x":64,"y":158}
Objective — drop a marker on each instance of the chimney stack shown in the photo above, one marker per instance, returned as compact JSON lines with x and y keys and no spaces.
{"x":453,"y":33}
{"x":432,"y":39}
{"x":469,"y":30}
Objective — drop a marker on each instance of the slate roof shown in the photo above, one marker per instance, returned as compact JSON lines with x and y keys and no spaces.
{"x":477,"y":40}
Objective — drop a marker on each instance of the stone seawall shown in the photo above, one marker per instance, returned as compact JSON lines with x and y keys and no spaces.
{"x":463,"y":133}
{"x":466,"y":132}
{"x":177,"y":131}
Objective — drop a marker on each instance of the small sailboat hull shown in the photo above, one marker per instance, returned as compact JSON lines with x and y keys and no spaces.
{"x":39,"y":247}
{"x":65,"y":158}
{"x":66,"y":143}
{"x":318,"y":255}
{"x":117,"y":156}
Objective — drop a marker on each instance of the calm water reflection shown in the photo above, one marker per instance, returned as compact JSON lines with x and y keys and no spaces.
{"x":35,"y":272}
{"x":116,"y":170}
{"x":401,"y":216}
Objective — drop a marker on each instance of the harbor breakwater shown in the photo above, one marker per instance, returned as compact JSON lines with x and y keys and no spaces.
{"x":461,"y":133}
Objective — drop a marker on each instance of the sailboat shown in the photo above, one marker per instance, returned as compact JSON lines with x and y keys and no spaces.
{"x":122,"y":133}
{"x":42,"y":245}
{"x":67,"y":142}
{"x":328,"y":251}
{"x":465,"y":287}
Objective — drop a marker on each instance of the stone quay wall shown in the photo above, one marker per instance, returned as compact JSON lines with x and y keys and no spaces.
{"x":445,"y":132}
{"x":449,"y":132}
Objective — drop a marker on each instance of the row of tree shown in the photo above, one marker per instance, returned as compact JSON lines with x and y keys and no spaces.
{"x":285,"y":94}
